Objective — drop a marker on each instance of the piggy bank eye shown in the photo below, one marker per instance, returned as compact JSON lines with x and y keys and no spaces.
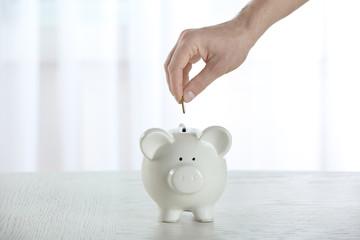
{"x":193,"y":159}
{"x":180,"y":158}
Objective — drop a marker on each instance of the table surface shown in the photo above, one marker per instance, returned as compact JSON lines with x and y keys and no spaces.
{"x":114,"y":205}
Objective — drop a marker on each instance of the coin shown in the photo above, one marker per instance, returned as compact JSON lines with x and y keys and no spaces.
{"x":183,"y":105}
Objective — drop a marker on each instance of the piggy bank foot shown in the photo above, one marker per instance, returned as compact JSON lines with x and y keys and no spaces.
{"x":169,"y":216}
{"x":205,"y":214}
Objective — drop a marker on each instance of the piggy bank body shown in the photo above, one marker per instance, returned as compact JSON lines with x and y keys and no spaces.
{"x":184,"y":170}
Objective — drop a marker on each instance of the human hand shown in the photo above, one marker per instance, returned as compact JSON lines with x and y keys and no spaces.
{"x":222,"y":47}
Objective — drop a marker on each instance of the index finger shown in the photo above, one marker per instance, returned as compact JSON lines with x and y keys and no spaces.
{"x":180,"y":58}
{"x":166,"y":66}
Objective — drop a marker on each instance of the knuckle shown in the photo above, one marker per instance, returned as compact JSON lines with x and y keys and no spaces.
{"x":186,"y":34}
{"x":188,"y":67}
{"x":171,"y":68}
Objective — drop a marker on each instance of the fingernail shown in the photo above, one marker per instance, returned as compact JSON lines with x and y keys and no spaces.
{"x":189,"y":96}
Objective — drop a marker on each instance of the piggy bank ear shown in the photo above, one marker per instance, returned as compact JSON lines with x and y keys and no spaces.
{"x":218,"y":137}
{"x":152,"y":139}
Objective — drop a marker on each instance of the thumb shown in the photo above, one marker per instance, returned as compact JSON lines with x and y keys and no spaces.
{"x":201,"y":81}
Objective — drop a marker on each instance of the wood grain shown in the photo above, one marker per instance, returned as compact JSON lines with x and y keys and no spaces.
{"x":114,"y":205}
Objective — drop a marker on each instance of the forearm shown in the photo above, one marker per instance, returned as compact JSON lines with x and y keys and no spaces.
{"x":258,"y":15}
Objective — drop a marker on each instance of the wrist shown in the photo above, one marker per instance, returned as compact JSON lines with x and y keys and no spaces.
{"x":259,"y":15}
{"x":253,"y":20}
{"x":243,"y":32}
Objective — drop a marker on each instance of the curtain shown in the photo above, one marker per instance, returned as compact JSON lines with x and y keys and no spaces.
{"x":80,"y":81}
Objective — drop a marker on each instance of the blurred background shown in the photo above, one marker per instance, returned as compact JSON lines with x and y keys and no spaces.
{"x":81,"y":80}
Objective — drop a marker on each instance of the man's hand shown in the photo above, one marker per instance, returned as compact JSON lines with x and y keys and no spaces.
{"x":223,"y":48}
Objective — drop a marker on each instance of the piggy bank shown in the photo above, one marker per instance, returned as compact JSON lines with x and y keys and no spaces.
{"x":184,"y":170}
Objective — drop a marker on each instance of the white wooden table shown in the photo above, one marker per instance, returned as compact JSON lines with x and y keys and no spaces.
{"x":114,"y":205}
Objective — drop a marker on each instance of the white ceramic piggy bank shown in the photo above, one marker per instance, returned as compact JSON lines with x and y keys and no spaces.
{"x":184,"y":170}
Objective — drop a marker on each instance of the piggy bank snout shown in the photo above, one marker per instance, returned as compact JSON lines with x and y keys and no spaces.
{"x":185,"y":179}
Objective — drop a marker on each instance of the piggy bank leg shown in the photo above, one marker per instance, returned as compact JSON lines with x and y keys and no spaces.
{"x":169,"y":215}
{"x":204,"y":214}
